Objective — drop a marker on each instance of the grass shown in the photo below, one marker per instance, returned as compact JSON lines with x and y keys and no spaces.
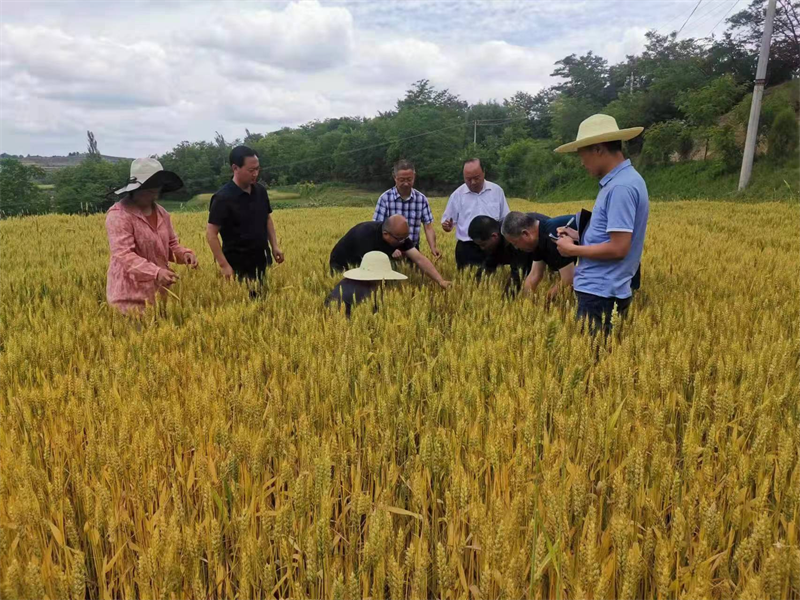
{"x":697,"y":179}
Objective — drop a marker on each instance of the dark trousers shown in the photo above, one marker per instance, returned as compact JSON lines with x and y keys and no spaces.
{"x":597,"y":310}
{"x":469,"y":254}
{"x":252,"y":271}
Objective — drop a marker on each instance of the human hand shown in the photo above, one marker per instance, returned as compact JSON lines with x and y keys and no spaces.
{"x":227,"y":271}
{"x":278,"y":254}
{"x":166,"y":278}
{"x":436,"y":253}
{"x":569,"y":232}
{"x":190,"y":260}
{"x":566,"y":245}
{"x":397,"y":255}
{"x":447,"y":225}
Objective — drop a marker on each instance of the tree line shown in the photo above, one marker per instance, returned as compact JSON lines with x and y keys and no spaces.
{"x":690,"y":94}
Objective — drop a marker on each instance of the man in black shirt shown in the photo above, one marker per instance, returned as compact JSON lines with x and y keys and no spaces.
{"x":360,"y":284}
{"x":240,"y":212}
{"x":386,"y":236}
{"x":498,"y":251}
{"x":534,"y":233}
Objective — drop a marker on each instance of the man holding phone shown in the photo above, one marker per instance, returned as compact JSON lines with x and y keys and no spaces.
{"x":537,"y":234}
{"x":609,"y":249}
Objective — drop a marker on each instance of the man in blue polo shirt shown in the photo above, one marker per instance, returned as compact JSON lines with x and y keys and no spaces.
{"x":609,"y":250}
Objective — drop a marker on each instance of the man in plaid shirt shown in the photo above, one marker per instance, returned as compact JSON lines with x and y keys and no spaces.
{"x":404,"y":200}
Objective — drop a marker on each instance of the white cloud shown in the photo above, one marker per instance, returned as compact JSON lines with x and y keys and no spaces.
{"x":145,"y":80}
{"x":305,"y":36}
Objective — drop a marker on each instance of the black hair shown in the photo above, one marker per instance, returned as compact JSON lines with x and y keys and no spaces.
{"x":612,"y":147}
{"x":482,"y":227}
{"x":239,"y":154}
{"x":474,"y":159}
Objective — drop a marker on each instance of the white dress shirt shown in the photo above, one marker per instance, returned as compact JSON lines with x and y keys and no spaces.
{"x":464,"y":205}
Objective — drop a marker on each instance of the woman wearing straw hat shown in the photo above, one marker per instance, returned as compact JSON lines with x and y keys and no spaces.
{"x":142,"y":239}
{"x":361,"y":283}
{"x":609,"y":247}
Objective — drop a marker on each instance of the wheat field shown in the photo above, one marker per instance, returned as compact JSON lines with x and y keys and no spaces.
{"x":457,"y":444}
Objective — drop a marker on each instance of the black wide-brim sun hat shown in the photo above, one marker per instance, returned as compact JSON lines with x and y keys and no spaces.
{"x":147,"y":173}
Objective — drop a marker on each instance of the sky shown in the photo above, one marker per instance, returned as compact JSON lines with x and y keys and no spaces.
{"x":146,"y":75}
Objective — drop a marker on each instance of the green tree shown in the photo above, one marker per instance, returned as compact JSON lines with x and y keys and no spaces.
{"x":727,"y":153}
{"x":530,"y":168}
{"x":662,"y":140}
{"x":19,"y":194}
{"x":536,"y":108}
{"x":702,"y":107}
{"x":199,"y":164}
{"x":747,"y":27}
{"x":431,"y":137}
{"x":422,"y":93}
{"x":92,"y":153}
{"x":783,"y":136}
{"x":89,"y":187}
{"x":585,"y":78}
{"x":567,"y":113}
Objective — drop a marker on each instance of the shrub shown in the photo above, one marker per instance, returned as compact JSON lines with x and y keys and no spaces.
{"x":783,"y":136}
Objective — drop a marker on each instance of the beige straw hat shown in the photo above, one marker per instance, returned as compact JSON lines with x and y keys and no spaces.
{"x":599,"y":128}
{"x":148,"y":173}
{"x":375,"y":266}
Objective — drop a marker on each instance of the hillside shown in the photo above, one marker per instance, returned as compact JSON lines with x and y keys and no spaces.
{"x":53,"y":163}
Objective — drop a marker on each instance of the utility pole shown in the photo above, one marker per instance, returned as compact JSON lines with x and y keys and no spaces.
{"x":475,"y":132}
{"x":755,"y":107}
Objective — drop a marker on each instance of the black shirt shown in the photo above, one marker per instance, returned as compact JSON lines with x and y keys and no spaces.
{"x":242,"y":222}
{"x":546,"y":250}
{"x":351,"y":292}
{"x":364,"y":237}
{"x":505,"y":254}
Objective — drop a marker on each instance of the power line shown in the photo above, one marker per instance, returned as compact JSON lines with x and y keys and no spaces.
{"x":723,"y":18}
{"x":699,"y":2}
{"x":701,"y":21}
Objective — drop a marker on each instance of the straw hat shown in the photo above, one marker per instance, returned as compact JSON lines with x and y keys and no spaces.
{"x":148,"y":173}
{"x":597,"y":129}
{"x":375,"y":266}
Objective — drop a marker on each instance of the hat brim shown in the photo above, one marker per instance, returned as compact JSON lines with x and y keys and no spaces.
{"x":364,"y":275}
{"x":166,"y":180}
{"x":623,"y":135}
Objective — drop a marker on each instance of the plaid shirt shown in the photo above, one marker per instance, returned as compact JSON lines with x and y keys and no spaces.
{"x":416,"y":210}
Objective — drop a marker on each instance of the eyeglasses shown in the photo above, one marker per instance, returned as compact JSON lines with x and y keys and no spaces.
{"x":399,"y":239}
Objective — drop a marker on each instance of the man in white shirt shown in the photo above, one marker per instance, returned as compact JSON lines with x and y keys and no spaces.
{"x":475,"y":198}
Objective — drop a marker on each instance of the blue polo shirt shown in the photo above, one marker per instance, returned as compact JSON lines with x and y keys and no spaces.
{"x":621,"y":205}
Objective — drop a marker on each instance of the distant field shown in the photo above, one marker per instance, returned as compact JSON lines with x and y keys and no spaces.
{"x":280,"y":198}
{"x":46,"y":186}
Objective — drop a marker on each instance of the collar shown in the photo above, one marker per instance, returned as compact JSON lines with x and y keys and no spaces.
{"x":410,"y":196}
{"x":613,"y":172}
{"x":485,"y":188}
{"x":234,"y":187}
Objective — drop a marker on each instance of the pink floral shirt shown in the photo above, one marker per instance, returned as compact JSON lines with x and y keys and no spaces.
{"x":138,"y":252}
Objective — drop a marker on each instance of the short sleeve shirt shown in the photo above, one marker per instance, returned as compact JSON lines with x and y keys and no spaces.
{"x":415,"y":209}
{"x":242,"y":221}
{"x":622,"y":205}
{"x":362,"y":238}
{"x":464,"y":205}
{"x":546,"y":250}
